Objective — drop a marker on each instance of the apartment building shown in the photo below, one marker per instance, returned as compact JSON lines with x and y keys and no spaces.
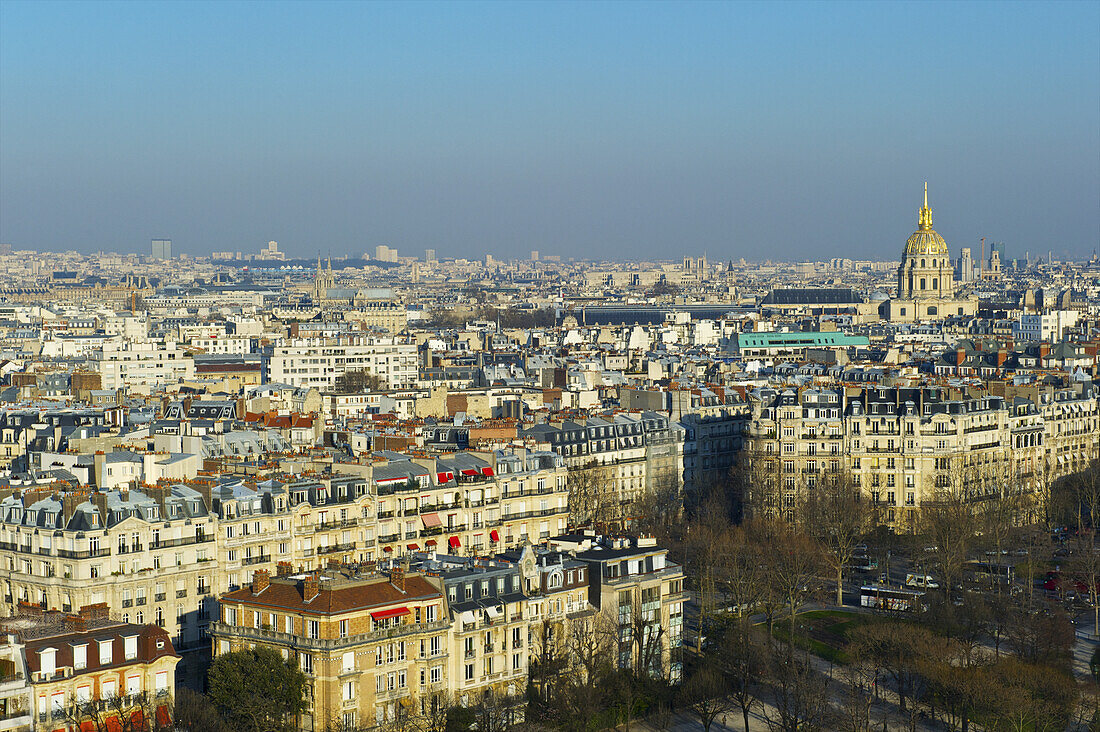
{"x":89,"y":671}
{"x":634,"y":583}
{"x":489,"y":628}
{"x":901,"y":446}
{"x":149,"y":555}
{"x":373,"y":648}
{"x":469,"y":502}
{"x":714,"y":420}
{"x":319,"y":362}
{"x":141,"y":362}
{"x":16,"y":705}
{"x":631,"y":453}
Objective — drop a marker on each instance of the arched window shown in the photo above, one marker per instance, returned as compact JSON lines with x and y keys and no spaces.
{"x":922,"y":284}
{"x":933,"y":310}
{"x":935,"y":283}
{"x":922,"y":263}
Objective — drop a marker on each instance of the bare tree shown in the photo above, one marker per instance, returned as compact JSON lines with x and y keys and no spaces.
{"x":593,"y":497}
{"x":793,"y":570}
{"x":705,"y":693}
{"x":950,"y":521}
{"x":744,"y":659}
{"x":835,"y":513}
{"x":799,"y":696}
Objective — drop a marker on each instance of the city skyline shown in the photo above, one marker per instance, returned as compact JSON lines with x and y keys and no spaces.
{"x":785,"y":132}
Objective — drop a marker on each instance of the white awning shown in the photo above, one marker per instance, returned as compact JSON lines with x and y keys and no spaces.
{"x":493,"y":612}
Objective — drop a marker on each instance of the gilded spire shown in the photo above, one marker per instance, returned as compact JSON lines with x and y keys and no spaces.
{"x":925,"y":220}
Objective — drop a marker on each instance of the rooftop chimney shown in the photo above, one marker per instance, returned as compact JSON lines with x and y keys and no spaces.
{"x":960,"y":356}
{"x":284,"y":569}
{"x":261,"y":578}
{"x":1002,"y":356}
{"x":98,"y":611}
{"x":311,"y":587}
{"x":397,"y":577}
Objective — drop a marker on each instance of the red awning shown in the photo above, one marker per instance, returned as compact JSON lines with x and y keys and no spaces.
{"x":430,"y":542}
{"x":413,"y":547}
{"x":487,"y":471}
{"x":393,"y":612}
{"x":387,"y":548}
{"x":470,"y":471}
{"x":445,"y":476}
{"x":494,"y":535}
{"x":431,"y":520}
{"x":454,"y":542}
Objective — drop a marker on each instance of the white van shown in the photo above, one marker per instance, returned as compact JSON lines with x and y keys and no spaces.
{"x":921,"y":580}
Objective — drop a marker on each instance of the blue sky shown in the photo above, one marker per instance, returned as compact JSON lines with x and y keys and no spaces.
{"x":779,"y":130}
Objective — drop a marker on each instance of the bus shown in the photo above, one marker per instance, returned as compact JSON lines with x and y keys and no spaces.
{"x":889,"y":598}
{"x":991,"y":572}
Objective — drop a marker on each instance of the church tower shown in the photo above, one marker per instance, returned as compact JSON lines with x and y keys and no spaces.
{"x":926,"y":271}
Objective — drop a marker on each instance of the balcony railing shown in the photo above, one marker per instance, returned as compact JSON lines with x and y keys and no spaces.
{"x":288,"y":640}
{"x":182,"y":541}
{"x":336,"y":548}
{"x":88,"y":554}
{"x":257,"y":559}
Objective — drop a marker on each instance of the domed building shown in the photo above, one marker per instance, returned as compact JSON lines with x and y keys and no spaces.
{"x":926,"y":277}
{"x":926,"y":269}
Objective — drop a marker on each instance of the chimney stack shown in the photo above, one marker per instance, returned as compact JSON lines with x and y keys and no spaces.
{"x":284,"y":569}
{"x":1002,"y":356}
{"x":98,"y":611}
{"x":1044,"y":350}
{"x":397,"y":577}
{"x":261,"y":578}
{"x":960,"y":356}
{"x":311,"y":587}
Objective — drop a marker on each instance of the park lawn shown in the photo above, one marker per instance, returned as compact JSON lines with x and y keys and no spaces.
{"x":825,"y":632}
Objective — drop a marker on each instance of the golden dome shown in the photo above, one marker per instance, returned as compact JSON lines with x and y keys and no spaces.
{"x":925,"y":242}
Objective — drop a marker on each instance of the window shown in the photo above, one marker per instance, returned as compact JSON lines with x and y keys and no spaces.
{"x":47,"y":661}
{"x":469,"y":672}
{"x":306,"y":661}
{"x":80,"y":656}
{"x":314,"y":629}
{"x":343,"y":629}
{"x":348,"y":662}
{"x":106,"y":649}
{"x":349,"y":690}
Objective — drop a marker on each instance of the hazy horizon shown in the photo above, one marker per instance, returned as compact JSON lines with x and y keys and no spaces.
{"x":781,"y":131}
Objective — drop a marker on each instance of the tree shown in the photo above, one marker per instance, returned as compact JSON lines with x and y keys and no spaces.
{"x":900,"y":649}
{"x":593,"y":498}
{"x":835,"y":513}
{"x":357,"y":382}
{"x":705,"y":694}
{"x":743,"y":658}
{"x":193,"y":711}
{"x":950,"y":522}
{"x":127,"y":713}
{"x":799,"y":696}
{"x":793,"y":569}
{"x":256,"y":690}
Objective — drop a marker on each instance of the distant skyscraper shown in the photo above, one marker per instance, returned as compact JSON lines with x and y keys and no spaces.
{"x":162,"y":248}
{"x":384,"y":253}
{"x":429,"y":255}
{"x":534,"y":255}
